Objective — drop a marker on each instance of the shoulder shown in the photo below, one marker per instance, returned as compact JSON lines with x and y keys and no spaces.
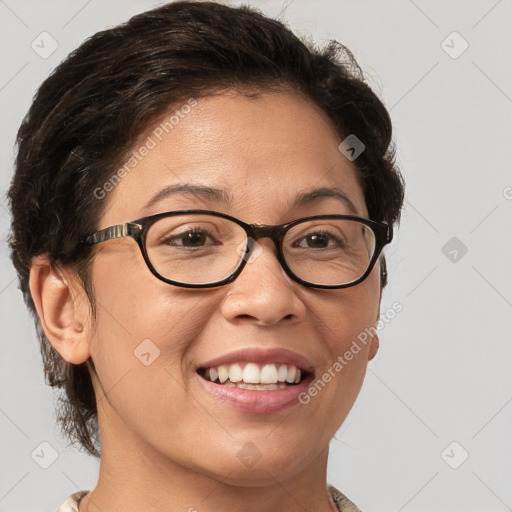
{"x":341,"y":501}
{"x":71,"y":504}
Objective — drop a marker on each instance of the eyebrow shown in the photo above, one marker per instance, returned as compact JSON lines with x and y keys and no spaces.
{"x":319,"y":194}
{"x":211,"y":194}
{"x":218,"y":195}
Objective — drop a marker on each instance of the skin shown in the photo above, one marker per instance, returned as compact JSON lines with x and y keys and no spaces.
{"x":167,"y":445}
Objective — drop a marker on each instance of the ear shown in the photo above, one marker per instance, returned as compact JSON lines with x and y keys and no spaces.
{"x":374,"y":345}
{"x":62,"y":308}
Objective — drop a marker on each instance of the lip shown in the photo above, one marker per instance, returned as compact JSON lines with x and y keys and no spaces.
{"x":260,"y":356}
{"x":253,"y":401}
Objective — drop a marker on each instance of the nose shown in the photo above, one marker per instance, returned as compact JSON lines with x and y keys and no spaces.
{"x":263,"y":293}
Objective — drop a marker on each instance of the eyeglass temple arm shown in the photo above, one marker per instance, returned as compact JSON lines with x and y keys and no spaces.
{"x":113,"y":232}
{"x":389,"y":233}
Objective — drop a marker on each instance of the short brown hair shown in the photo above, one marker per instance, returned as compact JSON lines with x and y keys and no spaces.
{"x":89,"y":112}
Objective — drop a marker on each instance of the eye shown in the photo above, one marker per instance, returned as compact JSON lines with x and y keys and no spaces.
{"x":319,"y":240}
{"x":196,"y":237}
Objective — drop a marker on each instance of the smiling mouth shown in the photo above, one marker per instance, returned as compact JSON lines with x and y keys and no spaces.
{"x":259,"y":377}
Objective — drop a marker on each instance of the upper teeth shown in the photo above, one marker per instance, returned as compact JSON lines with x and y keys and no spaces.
{"x":252,"y":373}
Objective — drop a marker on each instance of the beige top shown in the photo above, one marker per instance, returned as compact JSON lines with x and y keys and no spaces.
{"x":341,"y":501}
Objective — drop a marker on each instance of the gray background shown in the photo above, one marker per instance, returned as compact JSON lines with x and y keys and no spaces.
{"x":443,"y":370}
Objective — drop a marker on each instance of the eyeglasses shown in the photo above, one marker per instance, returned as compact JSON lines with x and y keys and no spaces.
{"x":205,"y":249}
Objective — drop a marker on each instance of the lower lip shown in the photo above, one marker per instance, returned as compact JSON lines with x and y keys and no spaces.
{"x":260,"y":402}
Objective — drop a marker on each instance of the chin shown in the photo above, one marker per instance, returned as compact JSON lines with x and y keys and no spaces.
{"x":249,"y":467}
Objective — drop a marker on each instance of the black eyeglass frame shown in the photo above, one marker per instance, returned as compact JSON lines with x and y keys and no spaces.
{"x":138,"y":229}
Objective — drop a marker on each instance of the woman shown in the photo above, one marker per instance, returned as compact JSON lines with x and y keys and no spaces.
{"x":199,"y":210}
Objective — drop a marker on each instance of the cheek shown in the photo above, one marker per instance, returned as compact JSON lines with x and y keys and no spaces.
{"x":348,"y":315}
{"x":137,"y":321}
{"x":144,"y":331}
{"x":132,"y":304}
{"x":139,"y":354}
{"x":346,"y":321}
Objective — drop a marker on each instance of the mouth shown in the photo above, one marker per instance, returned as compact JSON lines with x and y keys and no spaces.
{"x":255,"y":376}
{"x":256,"y":380}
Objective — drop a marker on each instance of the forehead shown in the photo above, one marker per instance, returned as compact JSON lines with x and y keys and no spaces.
{"x":263,"y":151}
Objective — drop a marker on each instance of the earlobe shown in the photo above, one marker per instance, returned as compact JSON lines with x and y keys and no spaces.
{"x":58,"y":311}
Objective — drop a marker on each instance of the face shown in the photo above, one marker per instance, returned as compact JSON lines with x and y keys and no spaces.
{"x":262,"y":151}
